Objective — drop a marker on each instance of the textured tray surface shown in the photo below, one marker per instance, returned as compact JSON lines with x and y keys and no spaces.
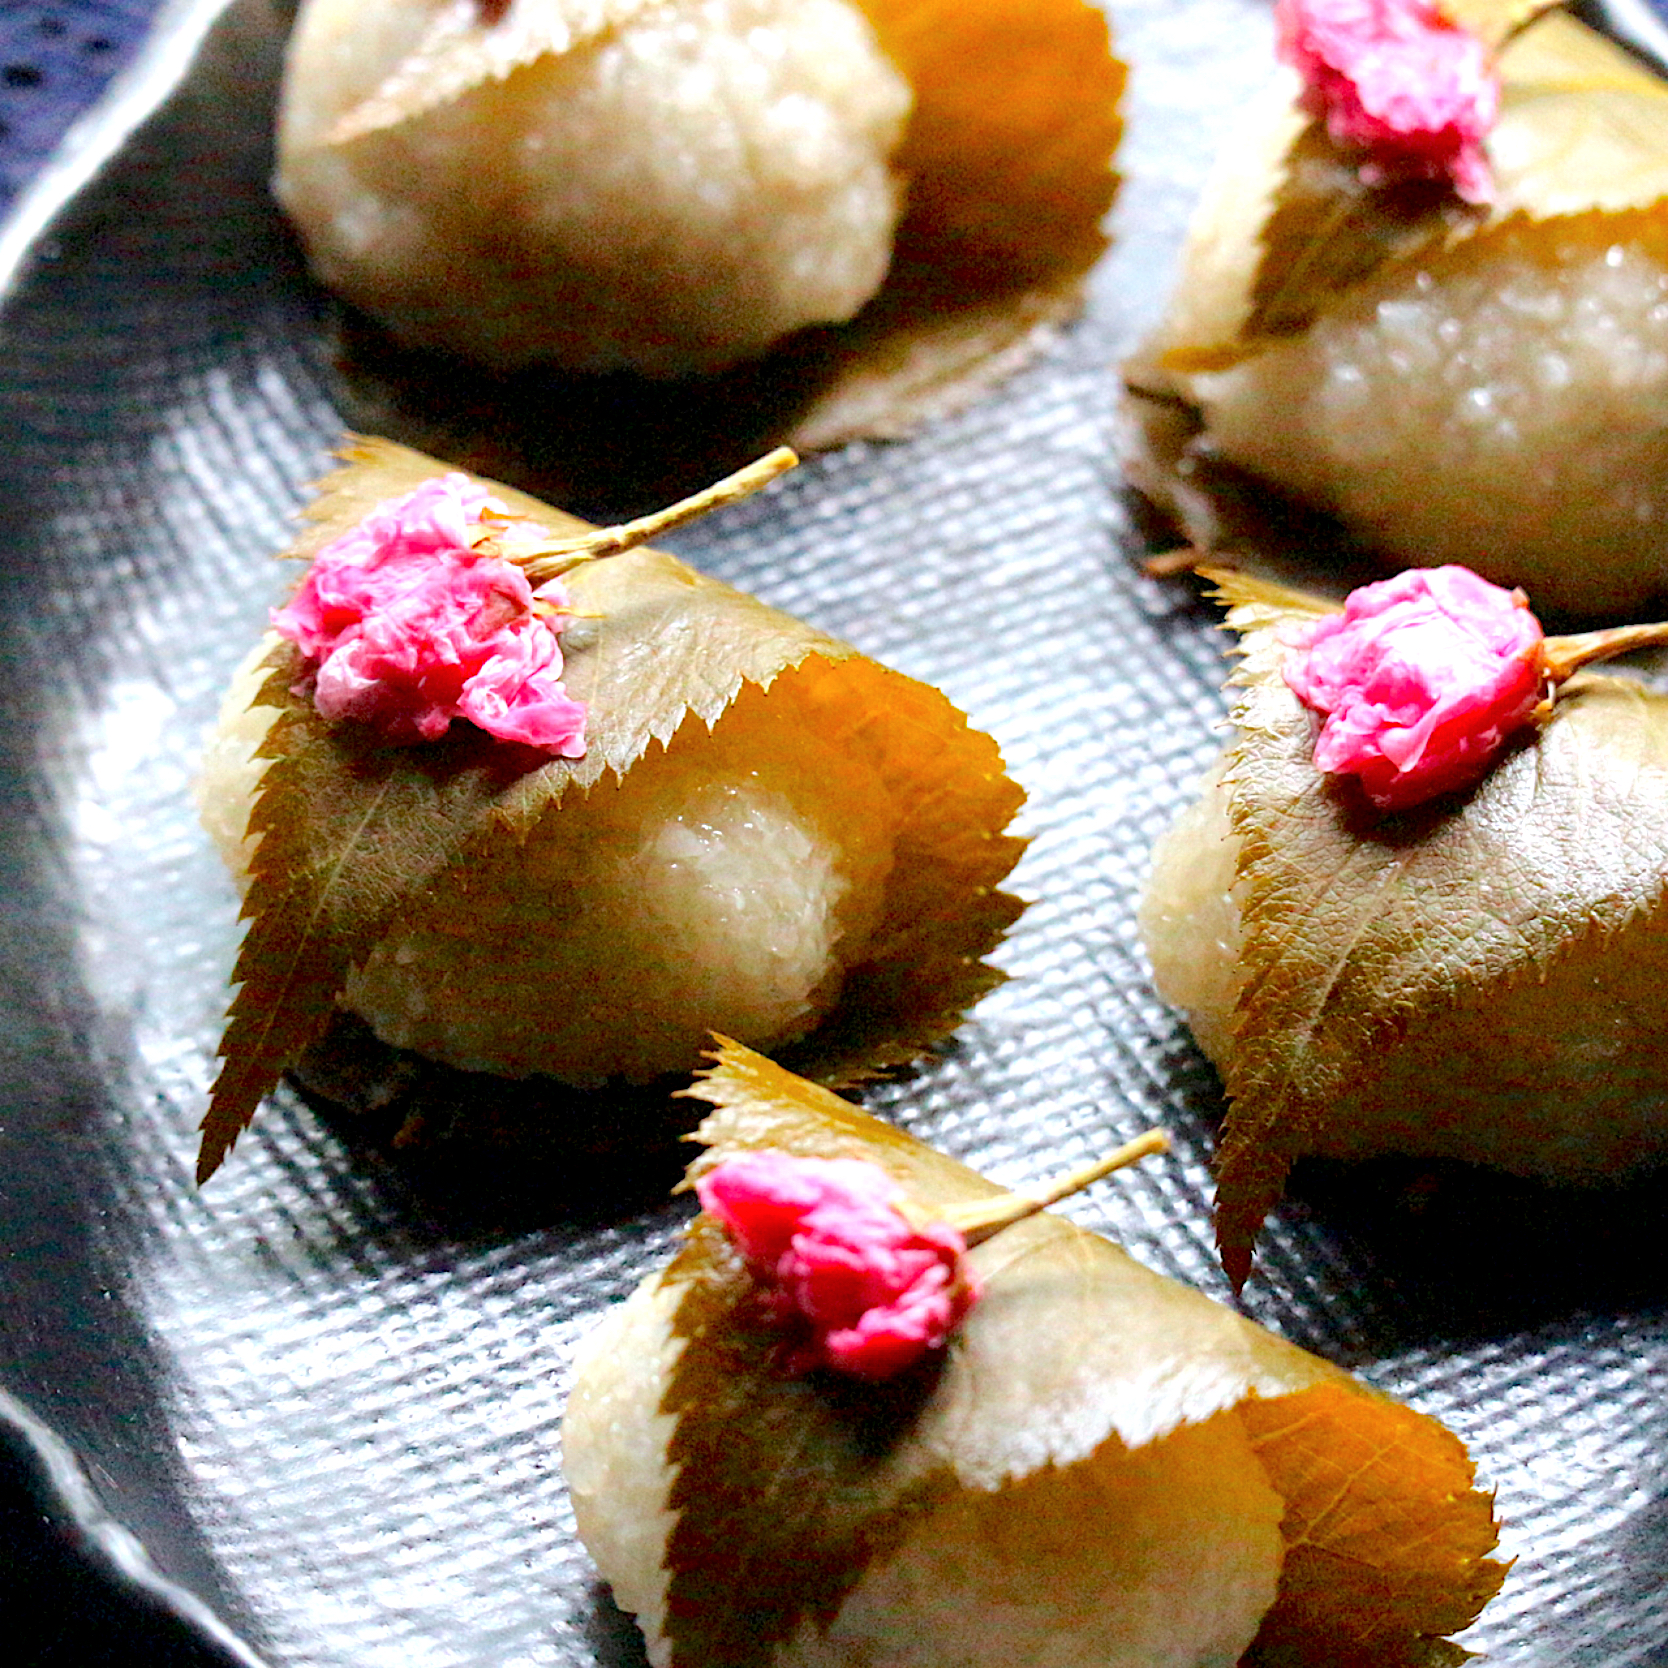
{"x":324,"y":1395}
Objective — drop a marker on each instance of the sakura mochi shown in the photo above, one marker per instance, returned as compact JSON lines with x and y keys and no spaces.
{"x":1420,"y":905}
{"x":672,"y":186}
{"x":1077,"y":1462}
{"x":534,"y":799}
{"x":662,"y":187}
{"x":1426,"y":294}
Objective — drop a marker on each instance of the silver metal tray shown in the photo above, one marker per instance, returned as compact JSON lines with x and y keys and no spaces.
{"x":315,"y":1408}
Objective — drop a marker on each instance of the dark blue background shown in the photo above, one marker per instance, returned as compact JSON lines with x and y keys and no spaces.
{"x":54,"y":60}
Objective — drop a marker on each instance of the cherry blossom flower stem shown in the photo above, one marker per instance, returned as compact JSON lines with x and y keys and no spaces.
{"x":547,"y":562}
{"x":1169,"y":564}
{"x":1494,"y":24}
{"x":979,"y":1221}
{"x":1565,"y":656}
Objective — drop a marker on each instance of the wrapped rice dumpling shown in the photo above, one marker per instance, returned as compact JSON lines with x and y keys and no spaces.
{"x":1457,"y":368}
{"x":1391,"y":942}
{"x":568,"y":829}
{"x":1098,"y":1467}
{"x":671,"y":188}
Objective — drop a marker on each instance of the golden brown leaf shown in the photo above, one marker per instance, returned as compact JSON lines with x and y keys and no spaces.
{"x":1328,"y":232}
{"x":1009,"y":160}
{"x":1583,"y":125}
{"x":1009,"y":149}
{"x":1385,"y":1534}
{"x":456,"y":47}
{"x":922,"y":350}
{"x":351,"y":831}
{"x":1494,"y":21}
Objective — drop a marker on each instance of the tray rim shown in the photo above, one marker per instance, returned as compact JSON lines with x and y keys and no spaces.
{"x":114,"y":1552}
{"x":91,"y":143}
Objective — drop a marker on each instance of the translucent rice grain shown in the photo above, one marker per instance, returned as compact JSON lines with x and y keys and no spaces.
{"x":672,"y":196}
{"x":705,"y":892}
{"x":1190,"y":920}
{"x":614,"y":1443}
{"x":229,"y":773}
{"x":1166,"y":1557}
{"x":1552,"y":1074}
{"x":1509,"y":412}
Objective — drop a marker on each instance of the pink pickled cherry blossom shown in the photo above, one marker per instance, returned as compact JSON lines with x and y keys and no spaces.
{"x":518,"y":693}
{"x":1423,"y":679}
{"x":359,"y":571}
{"x":1414,"y":91}
{"x":827,"y":1240}
{"x":411,"y":628}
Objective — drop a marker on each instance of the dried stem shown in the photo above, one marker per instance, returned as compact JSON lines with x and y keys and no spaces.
{"x":980,"y":1220}
{"x":1168,"y":564}
{"x":1158,"y":396}
{"x":1565,"y":656}
{"x":549,"y":561}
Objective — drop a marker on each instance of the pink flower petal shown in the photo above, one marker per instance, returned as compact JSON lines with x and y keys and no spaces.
{"x":1395,"y":79}
{"x":826,"y":1238}
{"x":1422,"y":679}
{"x":410,"y":628}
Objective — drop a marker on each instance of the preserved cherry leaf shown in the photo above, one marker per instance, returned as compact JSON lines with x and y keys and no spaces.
{"x":359,"y":835}
{"x":1403,"y":974}
{"x":1328,"y":231}
{"x":1583,"y":125}
{"x":1009,"y":149}
{"x":927,"y":345}
{"x":1008,"y":156}
{"x":1376,"y":1574}
{"x":1078,"y":1370}
{"x":350,"y":829}
{"x":464,"y":43}
{"x":1494,"y":21}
